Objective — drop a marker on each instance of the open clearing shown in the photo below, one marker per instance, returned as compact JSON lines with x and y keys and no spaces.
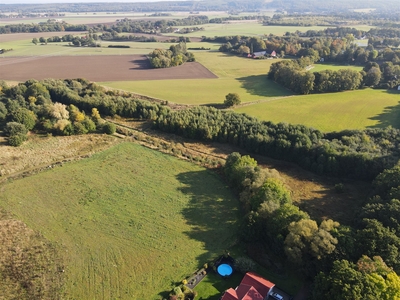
{"x":95,"y":68}
{"x":126,"y":228}
{"x":334,"y":111}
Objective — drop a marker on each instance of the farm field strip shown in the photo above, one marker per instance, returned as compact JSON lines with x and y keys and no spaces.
{"x":131,"y":233}
{"x":332,"y":112}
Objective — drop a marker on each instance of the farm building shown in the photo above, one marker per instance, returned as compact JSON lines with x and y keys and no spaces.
{"x":252,"y":287}
{"x":269,"y":53}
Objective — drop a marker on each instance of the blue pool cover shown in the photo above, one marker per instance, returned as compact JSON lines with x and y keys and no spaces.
{"x":224,"y":270}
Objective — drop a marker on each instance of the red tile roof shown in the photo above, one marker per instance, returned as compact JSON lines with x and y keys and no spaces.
{"x":230,"y":295}
{"x":260,"y":284}
{"x":252,"y":287}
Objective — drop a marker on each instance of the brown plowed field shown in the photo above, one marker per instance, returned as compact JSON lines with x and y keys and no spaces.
{"x":95,"y":68}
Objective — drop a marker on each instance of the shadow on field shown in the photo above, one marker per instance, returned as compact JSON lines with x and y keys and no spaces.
{"x":140,"y":64}
{"x":212,"y":213}
{"x":260,"y":85}
{"x":389,"y":116}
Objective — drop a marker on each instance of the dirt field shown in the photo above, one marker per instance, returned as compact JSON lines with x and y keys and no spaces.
{"x":95,"y":68}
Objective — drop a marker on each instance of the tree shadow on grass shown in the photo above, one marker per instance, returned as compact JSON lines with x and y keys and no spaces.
{"x":260,"y":85}
{"x":212,"y":212}
{"x":390,"y":115}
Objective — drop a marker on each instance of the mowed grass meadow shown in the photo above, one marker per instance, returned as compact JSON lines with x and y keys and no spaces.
{"x":359,"y":109}
{"x":129,"y":222}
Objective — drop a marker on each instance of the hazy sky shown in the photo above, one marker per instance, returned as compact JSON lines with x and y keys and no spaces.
{"x":70,"y":1}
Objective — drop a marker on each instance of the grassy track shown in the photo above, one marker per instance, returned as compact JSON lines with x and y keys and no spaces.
{"x":129,"y":221}
{"x":332,"y":112}
{"x":247,"y":77}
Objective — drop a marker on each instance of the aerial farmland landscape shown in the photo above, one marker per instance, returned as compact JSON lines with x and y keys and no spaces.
{"x":199,"y":150}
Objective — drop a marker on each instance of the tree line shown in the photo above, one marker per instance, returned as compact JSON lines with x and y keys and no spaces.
{"x":356,"y":154}
{"x":78,"y":41}
{"x":46,"y":27}
{"x":361,"y":154}
{"x":64,"y":108}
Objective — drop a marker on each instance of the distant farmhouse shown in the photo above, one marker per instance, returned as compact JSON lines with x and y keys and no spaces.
{"x":268,"y":53}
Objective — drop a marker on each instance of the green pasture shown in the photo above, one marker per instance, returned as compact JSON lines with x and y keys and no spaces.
{"x":244,"y":76}
{"x":126,"y":227}
{"x":334,"y":67}
{"x":360,"y":109}
{"x":251,"y":29}
{"x":25,"y":47}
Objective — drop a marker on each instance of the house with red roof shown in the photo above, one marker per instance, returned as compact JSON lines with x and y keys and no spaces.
{"x":252,"y":287}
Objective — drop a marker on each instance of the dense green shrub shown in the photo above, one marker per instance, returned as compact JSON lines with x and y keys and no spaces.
{"x":16,"y":140}
{"x":14,"y":128}
{"x":109,"y":128}
{"x":244,"y":265}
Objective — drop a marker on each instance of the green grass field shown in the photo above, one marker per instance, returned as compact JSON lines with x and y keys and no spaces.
{"x":252,"y":29}
{"x":332,"y":112}
{"x":27,"y":48}
{"x":127,"y":229}
{"x":326,"y":66}
{"x":244,"y":76}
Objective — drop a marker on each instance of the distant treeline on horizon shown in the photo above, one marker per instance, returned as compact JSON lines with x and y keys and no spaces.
{"x":305,"y":6}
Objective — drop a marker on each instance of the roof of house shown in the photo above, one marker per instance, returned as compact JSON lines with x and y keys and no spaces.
{"x":230,"y":295}
{"x":270,"y":52}
{"x":252,"y":287}
{"x":260,"y":284}
{"x":260,"y":53}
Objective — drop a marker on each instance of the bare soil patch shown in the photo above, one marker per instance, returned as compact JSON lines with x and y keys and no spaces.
{"x":95,"y":68}
{"x":10,"y":37}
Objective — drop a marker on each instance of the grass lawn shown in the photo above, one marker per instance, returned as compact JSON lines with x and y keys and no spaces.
{"x":126,"y":227}
{"x":244,"y":76}
{"x":332,"y":112}
{"x":334,"y":67}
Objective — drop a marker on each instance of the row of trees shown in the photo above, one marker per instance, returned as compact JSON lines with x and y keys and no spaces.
{"x":45,"y":27}
{"x":176,"y":55}
{"x":357,"y":154}
{"x":29,"y":106}
{"x":360,"y":154}
{"x":74,"y":40}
